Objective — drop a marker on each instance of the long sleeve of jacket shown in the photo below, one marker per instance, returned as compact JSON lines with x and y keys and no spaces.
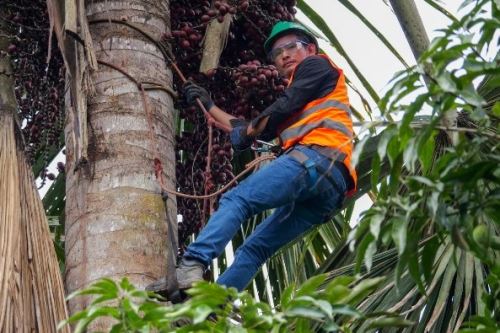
{"x":314,"y":78}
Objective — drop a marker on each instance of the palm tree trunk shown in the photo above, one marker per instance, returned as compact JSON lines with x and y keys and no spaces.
{"x":411,"y":23}
{"x":116,"y":223}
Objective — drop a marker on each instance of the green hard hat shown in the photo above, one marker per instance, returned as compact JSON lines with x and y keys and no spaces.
{"x":283,"y":28}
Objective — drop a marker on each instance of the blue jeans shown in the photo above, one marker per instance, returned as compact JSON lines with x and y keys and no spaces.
{"x":284,"y":184}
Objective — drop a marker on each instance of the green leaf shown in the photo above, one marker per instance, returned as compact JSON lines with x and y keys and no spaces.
{"x":496,"y":109}
{"x":346,"y":310}
{"x":446,"y":82}
{"x":428,"y":256}
{"x":393,"y":150}
{"x":470,"y":96}
{"x":126,"y":285}
{"x":413,"y":264}
{"x":337,"y":292}
{"x":325,"y":306}
{"x":410,"y":155}
{"x":471,"y":173}
{"x":361,"y":250}
{"x":201,"y":313}
{"x":426,"y":152}
{"x":375,"y":173}
{"x":362,"y":289}
{"x":395,"y":180}
{"x":398,"y":232}
{"x":358,"y":149}
{"x":375,"y":223}
{"x":411,"y":110}
{"x":305,"y":312}
{"x":100,"y":311}
{"x":331,"y":326}
{"x":387,"y":135}
{"x":311,"y":285}
{"x":370,"y":251}
{"x":389,"y":322}
{"x":286,"y":296}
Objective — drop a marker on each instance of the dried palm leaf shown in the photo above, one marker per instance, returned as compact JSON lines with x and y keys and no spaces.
{"x":31,"y":287}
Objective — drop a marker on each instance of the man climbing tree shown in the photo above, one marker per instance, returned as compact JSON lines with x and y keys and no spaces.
{"x":304,"y":185}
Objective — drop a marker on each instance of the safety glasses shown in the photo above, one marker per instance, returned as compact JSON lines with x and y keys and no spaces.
{"x":290,"y":47}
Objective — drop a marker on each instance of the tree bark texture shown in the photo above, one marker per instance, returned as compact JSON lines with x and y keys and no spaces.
{"x":116,"y":223}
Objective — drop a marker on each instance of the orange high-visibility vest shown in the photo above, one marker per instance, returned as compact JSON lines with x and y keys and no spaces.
{"x":325,"y":122}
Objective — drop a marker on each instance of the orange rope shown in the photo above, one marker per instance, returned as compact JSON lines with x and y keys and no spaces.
{"x":247,"y":169}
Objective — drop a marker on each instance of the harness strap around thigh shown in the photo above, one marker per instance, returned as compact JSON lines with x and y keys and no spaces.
{"x":308,"y":163}
{"x":313,"y":168}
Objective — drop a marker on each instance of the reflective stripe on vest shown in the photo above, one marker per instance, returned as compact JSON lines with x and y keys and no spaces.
{"x":302,"y":130}
{"x":326,"y":104}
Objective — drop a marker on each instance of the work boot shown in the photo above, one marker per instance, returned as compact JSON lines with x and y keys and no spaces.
{"x":188,"y":272}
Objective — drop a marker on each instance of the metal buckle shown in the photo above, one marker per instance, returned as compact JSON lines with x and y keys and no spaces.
{"x":265,"y":147}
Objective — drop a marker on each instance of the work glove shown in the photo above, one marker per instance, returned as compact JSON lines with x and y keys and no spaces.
{"x":238,"y":136}
{"x":193,"y":91}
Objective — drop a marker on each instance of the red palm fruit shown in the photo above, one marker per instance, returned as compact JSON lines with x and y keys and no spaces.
{"x":179,"y":33}
{"x":12,"y":48}
{"x":252,"y":67}
{"x":244,"y":5}
{"x":166,"y":35}
{"x":211,"y":72}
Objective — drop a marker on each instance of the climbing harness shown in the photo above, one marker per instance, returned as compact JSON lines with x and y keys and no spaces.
{"x":316,"y":171}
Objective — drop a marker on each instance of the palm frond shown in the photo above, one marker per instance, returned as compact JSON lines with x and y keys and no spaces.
{"x":374,"y":30}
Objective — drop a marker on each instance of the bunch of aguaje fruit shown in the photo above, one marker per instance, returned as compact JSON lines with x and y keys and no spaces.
{"x":243,"y":85}
{"x":38,"y":79}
